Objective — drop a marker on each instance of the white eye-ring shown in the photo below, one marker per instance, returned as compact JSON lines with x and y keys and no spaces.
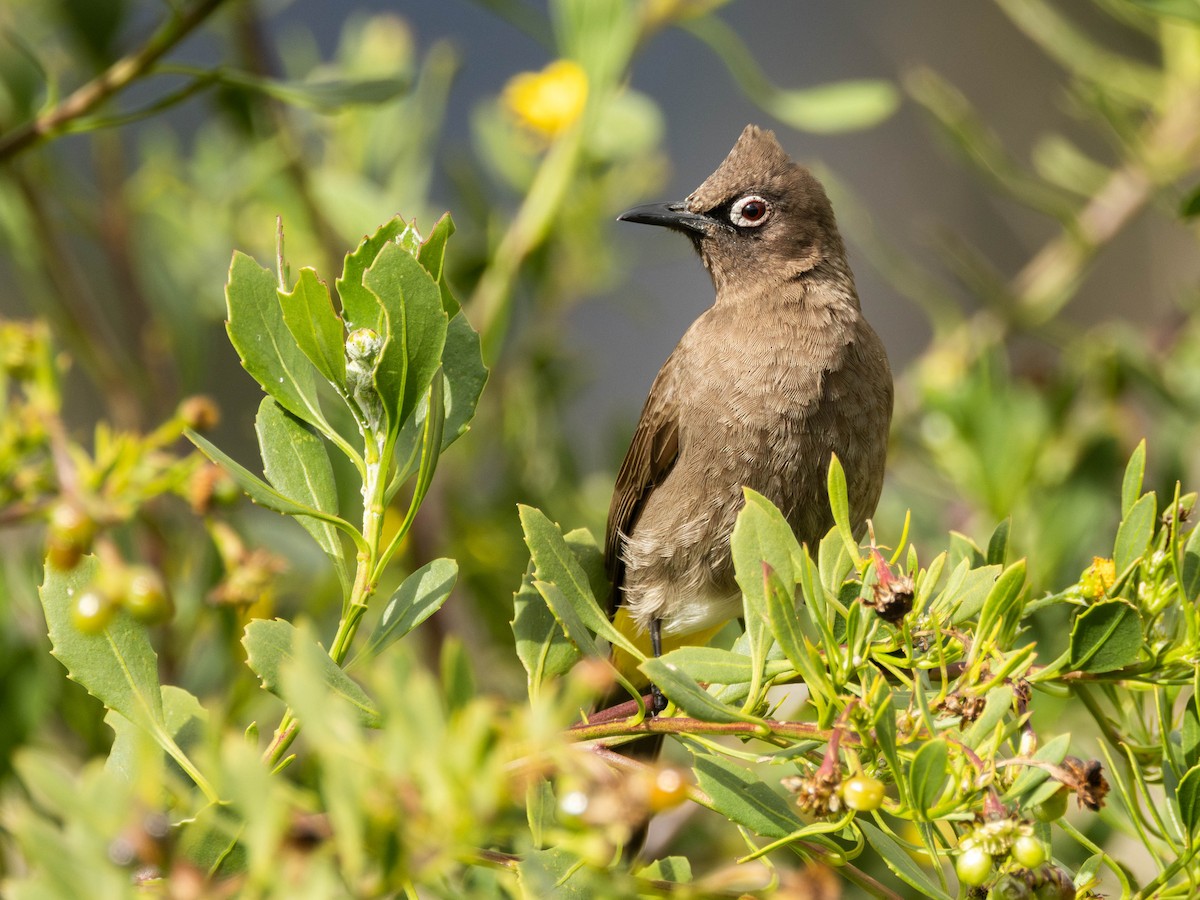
{"x":750,"y":211}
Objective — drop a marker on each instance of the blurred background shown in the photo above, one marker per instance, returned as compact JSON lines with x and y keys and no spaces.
{"x":1017,"y":181}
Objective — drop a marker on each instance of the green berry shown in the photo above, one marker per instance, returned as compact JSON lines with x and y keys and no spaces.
{"x":70,"y":536}
{"x":1052,"y":808}
{"x":862,"y":793}
{"x":145,"y":596}
{"x":91,"y":611}
{"x":973,"y":866}
{"x":1028,"y":851}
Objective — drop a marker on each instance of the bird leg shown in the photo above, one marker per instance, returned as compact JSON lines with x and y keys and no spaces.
{"x":658,"y":701}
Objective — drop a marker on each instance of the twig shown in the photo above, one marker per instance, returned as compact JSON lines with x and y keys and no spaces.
{"x":113,"y":80}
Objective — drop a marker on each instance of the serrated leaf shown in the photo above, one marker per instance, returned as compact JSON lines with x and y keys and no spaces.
{"x":554,"y":562}
{"x":308,"y":314}
{"x":117,"y":666}
{"x":900,"y":861}
{"x":420,"y":595}
{"x":265,"y":345}
{"x":432,"y":255}
{"x":927,"y":775}
{"x":296,"y":462}
{"x":271,"y":645}
{"x":1135,"y":473}
{"x":361,"y":308}
{"x":743,"y":798}
{"x":416,"y":331}
{"x":1105,"y":637}
{"x":569,"y":617}
{"x":1135,"y":532}
{"x":685,"y":693}
{"x":262,"y":493}
{"x":1188,"y":797}
{"x":561,"y":874}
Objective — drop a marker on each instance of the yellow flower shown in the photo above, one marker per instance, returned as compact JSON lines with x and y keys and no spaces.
{"x":548,"y":101}
{"x":1098,"y":578}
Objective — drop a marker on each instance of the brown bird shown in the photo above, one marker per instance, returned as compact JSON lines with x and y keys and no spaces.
{"x":778,"y":374}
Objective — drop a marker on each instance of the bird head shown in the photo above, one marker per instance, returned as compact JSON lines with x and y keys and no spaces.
{"x":759,"y":218}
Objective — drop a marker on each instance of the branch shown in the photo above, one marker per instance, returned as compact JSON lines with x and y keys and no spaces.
{"x":114,"y":79}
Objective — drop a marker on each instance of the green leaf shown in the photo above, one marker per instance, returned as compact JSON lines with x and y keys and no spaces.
{"x":1189,"y":583}
{"x":569,"y":617}
{"x":1025,"y":785}
{"x":712,"y":665}
{"x":309,"y":316}
{"x":997,"y":706}
{"x":673,"y":869}
{"x":1135,"y":473}
{"x":432,"y":255}
{"x":465,"y":374}
{"x":1105,"y":637}
{"x":542,"y":645}
{"x":761,"y":534}
{"x":554,"y":562}
{"x":1188,"y":797}
{"x":416,"y":331}
{"x":927,"y":775}
{"x":180,"y":709}
{"x":117,"y":666}
{"x":262,"y":493}
{"x":559,"y":873}
{"x":839,"y":106}
{"x":966,"y":591}
{"x":1135,"y":532}
{"x":800,"y":649}
{"x":997,"y":551}
{"x":839,"y":502}
{"x":741,"y":797}
{"x":689,"y":696}
{"x":361,"y":308}
{"x":1179,"y":9}
{"x":420,"y":596}
{"x":271,"y":645}
{"x":1189,"y":208}
{"x":1189,"y":736}
{"x":331,"y":95}
{"x":296,"y":462}
{"x":265,"y":345}
{"x":900,"y":861}
{"x":590,"y":557}
{"x":1003,"y":602}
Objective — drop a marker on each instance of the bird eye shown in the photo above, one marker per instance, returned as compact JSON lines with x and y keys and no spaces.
{"x":750,"y":211}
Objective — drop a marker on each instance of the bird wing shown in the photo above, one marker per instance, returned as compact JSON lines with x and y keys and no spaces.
{"x":652,"y":453}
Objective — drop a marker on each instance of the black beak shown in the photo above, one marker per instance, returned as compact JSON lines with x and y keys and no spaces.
{"x":669,"y":215}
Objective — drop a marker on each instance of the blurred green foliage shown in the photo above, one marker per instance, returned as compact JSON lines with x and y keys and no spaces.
{"x":117,"y":240}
